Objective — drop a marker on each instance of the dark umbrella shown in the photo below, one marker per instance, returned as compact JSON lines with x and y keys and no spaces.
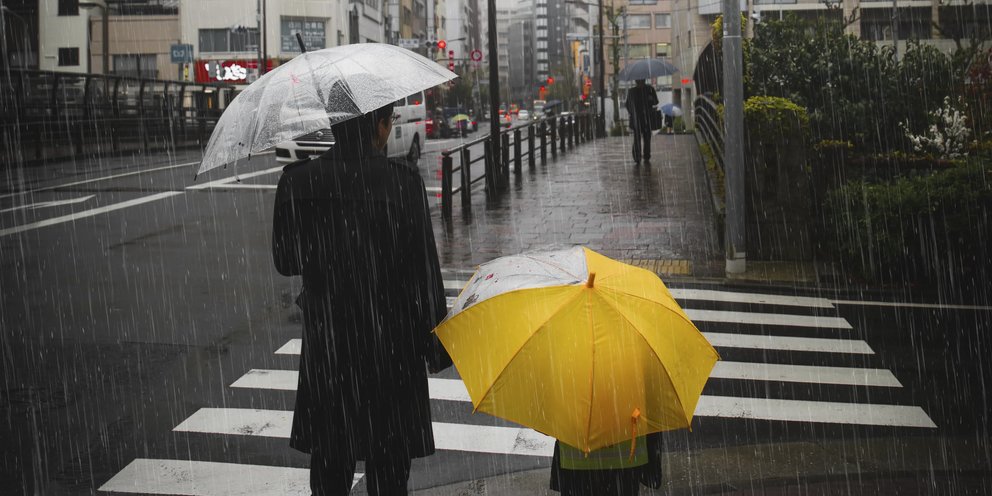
{"x":647,"y":69}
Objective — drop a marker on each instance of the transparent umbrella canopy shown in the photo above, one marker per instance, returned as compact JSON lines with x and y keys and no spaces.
{"x":314,"y":91}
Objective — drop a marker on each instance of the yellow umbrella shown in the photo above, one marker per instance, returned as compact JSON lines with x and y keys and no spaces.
{"x":580,"y":347}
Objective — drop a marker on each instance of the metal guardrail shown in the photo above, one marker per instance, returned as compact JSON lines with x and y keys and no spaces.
{"x":709,"y":127}
{"x":563,"y":132}
{"x":48,"y":114}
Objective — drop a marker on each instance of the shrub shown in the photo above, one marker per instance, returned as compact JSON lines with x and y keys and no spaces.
{"x":918,"y":228}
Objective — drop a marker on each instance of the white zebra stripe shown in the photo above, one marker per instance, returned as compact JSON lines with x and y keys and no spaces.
{"x":196,"y":478}
{"x":724,"y":340}
{"x":709,"y":406}
{"x":453,"y":437}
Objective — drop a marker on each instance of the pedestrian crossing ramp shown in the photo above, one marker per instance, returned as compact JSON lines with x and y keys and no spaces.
{"x":760,"y":336}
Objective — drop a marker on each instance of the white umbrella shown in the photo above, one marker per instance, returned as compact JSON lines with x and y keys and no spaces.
{"x":314,"y":91}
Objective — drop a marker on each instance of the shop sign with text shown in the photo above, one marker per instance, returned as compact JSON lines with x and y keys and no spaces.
{"x":235,"y":71}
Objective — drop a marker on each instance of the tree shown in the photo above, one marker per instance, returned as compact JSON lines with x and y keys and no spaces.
{"x":614,"y":16}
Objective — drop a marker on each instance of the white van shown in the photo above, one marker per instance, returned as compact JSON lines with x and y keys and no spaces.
{"x":406,"y":140}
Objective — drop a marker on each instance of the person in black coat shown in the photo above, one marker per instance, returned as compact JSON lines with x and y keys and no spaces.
{"x":640,"y":104}
{"x":356,"y":226}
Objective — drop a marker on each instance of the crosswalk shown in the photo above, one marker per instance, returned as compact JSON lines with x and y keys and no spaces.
{"x":741,"y":325}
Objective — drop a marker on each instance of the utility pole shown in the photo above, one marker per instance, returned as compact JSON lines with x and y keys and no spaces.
{"x":601,"y":120}
{"x":258,"y":23}
{"x":494,"y":176}
{"x":895,"y":29}
{"x":733,"y":114}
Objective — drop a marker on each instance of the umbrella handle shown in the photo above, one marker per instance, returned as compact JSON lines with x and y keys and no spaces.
{"x":633,"y":436}
{"x":299,"y":39}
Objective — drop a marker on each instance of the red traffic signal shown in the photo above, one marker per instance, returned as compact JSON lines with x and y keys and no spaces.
{"x":542,"y":88}
{"x":441,"y":44}
{"x":551,"y":80}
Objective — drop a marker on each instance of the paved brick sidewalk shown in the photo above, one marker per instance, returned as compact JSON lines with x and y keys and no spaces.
{"x":656,"y":215}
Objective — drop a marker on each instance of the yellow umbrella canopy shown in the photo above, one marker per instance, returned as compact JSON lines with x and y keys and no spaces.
{"x":580,"y":347}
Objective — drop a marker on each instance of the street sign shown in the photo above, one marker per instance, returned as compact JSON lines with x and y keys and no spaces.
{"x":181,"y":53}
{"x":476,"y":55}
{"x":409,"y":43}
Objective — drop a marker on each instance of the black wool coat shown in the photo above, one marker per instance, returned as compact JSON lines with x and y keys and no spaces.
{"x":357,"y":228}
{"x":641,"y":102}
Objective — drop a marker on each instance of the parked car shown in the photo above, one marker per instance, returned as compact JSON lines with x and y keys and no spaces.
{"x":523,"y":116}
{"x":406,"y":140}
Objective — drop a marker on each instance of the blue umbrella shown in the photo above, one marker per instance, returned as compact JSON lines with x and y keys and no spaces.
{"x":671,"y":109}
{"x":647,"y":69}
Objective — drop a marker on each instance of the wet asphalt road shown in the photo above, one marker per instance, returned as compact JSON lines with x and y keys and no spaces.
{"x":120,"y":324}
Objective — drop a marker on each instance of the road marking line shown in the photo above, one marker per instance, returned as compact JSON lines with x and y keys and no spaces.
{"x":754,"y":318}
{"x":697,"y":315}
{"x":788,"y":343}
{"x":286,"y":380}
{"x":813,"y":412}
{"x":911,"y":305}
{"x":292,"y":347}
{"x":233,"y":179}
{"x":735,"y":297}
{"x":718,"y":296}
{"x":196,"y":478}
{"x":47,"y":204}
{"x":447,"y":436}
{"x":774,"y":372}
{"x":762,"y":408}
{"x":724,"y":340}
{"x":87,"y":181}
{"x":245,"y":186}
{"x":709,"y":406}
{"x":88,"y":213}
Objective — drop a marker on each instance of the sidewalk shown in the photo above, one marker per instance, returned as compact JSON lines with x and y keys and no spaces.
{"x":657,"y":215}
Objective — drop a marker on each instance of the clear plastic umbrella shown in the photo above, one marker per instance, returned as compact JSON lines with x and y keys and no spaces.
{"x":314,"y":91}
{"x":647,"y":69}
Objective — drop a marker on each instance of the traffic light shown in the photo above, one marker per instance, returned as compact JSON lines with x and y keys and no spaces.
{"x":441,"y":44}
{"x":543,"y":88}
{"x":551,"y":80}
{"x":451,"y":60}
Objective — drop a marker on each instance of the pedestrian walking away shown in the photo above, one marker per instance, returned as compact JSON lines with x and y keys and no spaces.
{"x":356,"y":226}
{"x":641,"y":102}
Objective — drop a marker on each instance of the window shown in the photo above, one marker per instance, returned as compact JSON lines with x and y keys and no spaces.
{"x":311,"y":29}
{"x":68,"y":8}
{"x":639,"y":51}
{"x":244,"y":40}
{"x":663,"y":20}
{"x":229,"y":40}
{"x":213,"y":40}
{"x":643,"y":2}
{"x":136,"y":65}
{"x":662,"y":49}
{"x":638,"y":21}
{"x":69,"y":56}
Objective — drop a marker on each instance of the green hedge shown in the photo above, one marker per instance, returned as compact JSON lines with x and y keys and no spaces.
{"x":914,"y":228}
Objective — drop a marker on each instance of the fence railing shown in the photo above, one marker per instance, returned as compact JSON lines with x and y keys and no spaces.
{"x":528,"y":141}
{"x":48,"y":114}
{"x":709,"y":127}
